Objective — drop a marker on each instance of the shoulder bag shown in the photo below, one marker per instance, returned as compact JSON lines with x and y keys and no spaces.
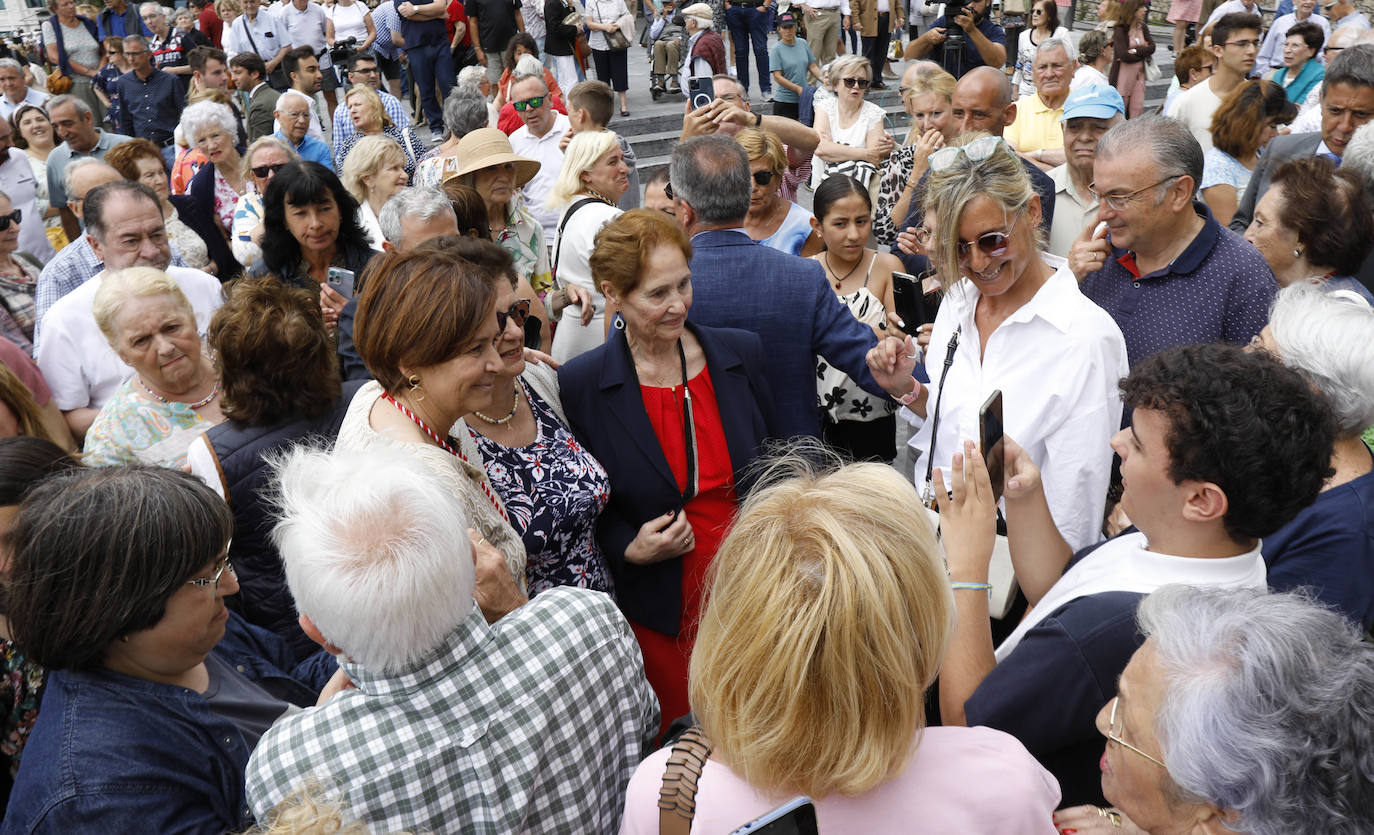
{"x":677,"y":799}
{"x":616,"y":39}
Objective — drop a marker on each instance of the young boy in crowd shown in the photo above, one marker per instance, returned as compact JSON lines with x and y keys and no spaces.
{"x":590,"y":106}
{"x":792,"y":65}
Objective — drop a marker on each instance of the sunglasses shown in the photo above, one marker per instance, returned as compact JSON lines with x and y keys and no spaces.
{"x":861,"y":83}
{"x":522,"y":106}
{"x":264,"y":171}
{"x":992,"y":244}
{"x":13,"y":217}
{"x":975,"y":151}
{"x":763,"y":178}
{"x":518,"y":312}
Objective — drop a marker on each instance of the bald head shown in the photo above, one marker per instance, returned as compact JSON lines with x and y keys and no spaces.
{"x":84,"y":175}
{"x":983,"y":101}
{"x":1343,"y":37}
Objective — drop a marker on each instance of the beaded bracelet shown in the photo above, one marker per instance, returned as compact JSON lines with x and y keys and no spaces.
{"x":973,"y":586}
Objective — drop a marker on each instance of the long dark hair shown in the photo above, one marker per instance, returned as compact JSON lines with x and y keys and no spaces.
{"x":1051,"y":10}
{"x":835,"y":188}
{"x":300,"y":184}
{"x":24,"y":462}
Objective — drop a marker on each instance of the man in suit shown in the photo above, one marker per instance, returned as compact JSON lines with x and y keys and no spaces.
{"x":250,"y":78}
{"x":738,"y":283}
{"x":1347,"y":102}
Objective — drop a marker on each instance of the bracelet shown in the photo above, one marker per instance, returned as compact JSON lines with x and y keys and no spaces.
{"x":758,"y":119}
{"x":973,"y":587}
{"x":908,"y":398}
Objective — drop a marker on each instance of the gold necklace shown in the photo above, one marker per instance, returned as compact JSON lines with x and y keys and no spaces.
{"x":514,"y":407}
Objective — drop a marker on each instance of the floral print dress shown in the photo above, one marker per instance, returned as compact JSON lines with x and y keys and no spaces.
{"x":553,"y":491}
{"x":21,"y":682}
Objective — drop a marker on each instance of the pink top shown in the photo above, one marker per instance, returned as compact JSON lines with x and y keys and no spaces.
{"x":964,"y":780}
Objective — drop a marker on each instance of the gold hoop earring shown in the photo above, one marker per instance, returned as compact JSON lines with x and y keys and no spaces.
{"x":414,"y":381}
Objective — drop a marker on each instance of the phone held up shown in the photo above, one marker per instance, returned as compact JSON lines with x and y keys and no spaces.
{"x":917,"y":299}
{"x":990,"y":440}
{"x":701,"y":91}
{"x":341,"y":281}
{"x":795,"y":817}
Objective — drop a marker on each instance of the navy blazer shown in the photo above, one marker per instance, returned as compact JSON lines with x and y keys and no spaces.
{"x":738,"y":283}
{"x":196,"y":208}
{"x":606,"y":414}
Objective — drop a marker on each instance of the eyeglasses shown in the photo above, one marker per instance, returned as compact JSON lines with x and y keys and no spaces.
{"x":263,"y":171}
{"x":861,"y":83}
{"x":135,"y":54}
{"x":13,"y":217}
{"x":213,"y":582}
{"x":1331,"y":49}
{"x":975,"y":151}
{"x":1122,"y":202}
{"x":992,"y":244}
{"x":668,"y":191}
{"x":519,"y":312}
{"x":1114,"y":734}
{"x":763,"y":178}
{"x":287,"y":115}
{"x":1244,"y":44}
{"x":522,"y":106}
{"x":364,"y":70}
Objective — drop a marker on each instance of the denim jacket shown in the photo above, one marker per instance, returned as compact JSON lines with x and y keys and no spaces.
{"x":112,"y":753}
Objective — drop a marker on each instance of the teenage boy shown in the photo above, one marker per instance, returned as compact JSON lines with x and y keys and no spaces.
{"x":590,"y":106}
{"x":792,"y":66}
{"x":1235,"y":43}
{"x":1224,"y":448}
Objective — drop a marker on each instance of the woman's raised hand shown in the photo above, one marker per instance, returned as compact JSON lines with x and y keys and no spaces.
{"x":968,"y":514}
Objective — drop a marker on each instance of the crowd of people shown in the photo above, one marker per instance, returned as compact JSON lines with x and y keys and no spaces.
{"x":431,"y":461}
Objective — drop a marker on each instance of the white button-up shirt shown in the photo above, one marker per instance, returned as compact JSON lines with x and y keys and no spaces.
{"x":1057,"y":361}
{"x":545,"y":149}
{"x":266,"y":31}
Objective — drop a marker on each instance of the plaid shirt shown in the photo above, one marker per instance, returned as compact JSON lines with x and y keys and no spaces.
{"x":345,"y":131}
{"x":534,"y":724}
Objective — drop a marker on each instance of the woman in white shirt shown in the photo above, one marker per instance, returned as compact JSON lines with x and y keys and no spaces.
{"x":1011,"y":322}
{"x":1094,"y":59}
{"x":1044,"y":25}
{"x":373,"y":172}
{"x":349,"y":19}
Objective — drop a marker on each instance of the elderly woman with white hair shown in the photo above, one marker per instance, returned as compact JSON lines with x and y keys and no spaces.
{"x":465,"y":110}
{"x":705,"y":48}
{"x":1329,"y":545}
{"x":173,"y":396}
{"x":210,"y":127}
{"x":853,"y":140}
{"x":374,"y":171}
{"x":593,"y":179}
{"x":1242,"y":712}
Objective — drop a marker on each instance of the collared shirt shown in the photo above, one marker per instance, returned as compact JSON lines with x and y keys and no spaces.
{"x":1356,"y":19}
{"x":544,"y":149}
{"x":343,"y":123}
{"x":310,"y":149}
{"x":1057,"y":361}
{"x":304,"y":27}
{"x":1217,"y":290}
{"x":80,"y":366}
{"x":31,"y":96}
{"x":532,"y":724}
{"x":386,"y":21}
{"x":1071,"y":212}
{"x":17,"y":181}
{"x":1036,"y":126}
{"x":150,"y":108}
{"x":263,"y":35}
{"x":64,"y":153}
{"x":68,"y":270}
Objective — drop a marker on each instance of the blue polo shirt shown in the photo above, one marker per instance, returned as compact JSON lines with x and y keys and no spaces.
{"x":310,"y":149}
{"x":972,"y":59}
{"x":1219,"y":289}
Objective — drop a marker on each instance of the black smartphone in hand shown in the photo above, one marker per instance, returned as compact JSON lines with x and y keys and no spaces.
{"x":991,"y":442}
{"x":906,"y":297}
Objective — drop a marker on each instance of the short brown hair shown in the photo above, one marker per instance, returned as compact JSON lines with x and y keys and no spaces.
{"x":274,"y":355}
{"x":1329,"y":210}
{"x":27,"y":413}
{"x":1193,"y":57}
{"x":1240,"y":120}
{"x":596,"y":98}
{"x":468,"y":207}
{"x":622,"y":247}
{"x":417,"y":309}
{"x":124,"y":157}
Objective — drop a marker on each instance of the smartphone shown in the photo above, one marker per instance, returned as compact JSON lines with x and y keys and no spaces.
{"x":990,"y":440}
{"x":906,"y":297}
{"x":795,"y":817}
{"x":341,"y":281}
{"x":931,"y":295}
{"x":701,"y":91}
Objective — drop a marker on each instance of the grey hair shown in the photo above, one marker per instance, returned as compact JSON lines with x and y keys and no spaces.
{"x":1172,"y":147}
{"x":1053,"y":43}
{"x":1359,"y":154}
{"x":11,"y":64}
{"x":711,"y":174}
{"x":528,"y":66}
{"x":82,"y":109}
{"x":93,"y":209}
{"x":292,"y":92}
{"x":136,"y":39}
{"x":151,"y":6}
{"x":414,"y":202}
{"x":1327,"y":338}
{"x":1268,"y":708}
{"x":465,"y":110}
{"x":471,"y":77}
{"x":206,"y":114}
{"x":1353,"y":66}
{"x":268,"y":141}
{"x":1091,"y":46}
{"x":76,"y":165}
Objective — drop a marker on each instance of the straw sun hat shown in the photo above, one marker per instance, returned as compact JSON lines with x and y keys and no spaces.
{"x":486,"y":147}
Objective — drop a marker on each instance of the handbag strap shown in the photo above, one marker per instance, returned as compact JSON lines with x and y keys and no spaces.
{"x":558,"y":245}
{"x":677,"y":799}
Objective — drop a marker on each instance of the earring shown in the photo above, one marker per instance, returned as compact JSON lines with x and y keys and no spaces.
{"x":619,"y":323}
{"x":125,"y":639}
{"x":1297,"y":253}
{"x":414,"y":380}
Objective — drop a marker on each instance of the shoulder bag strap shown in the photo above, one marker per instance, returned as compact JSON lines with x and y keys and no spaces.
{"x":677,"y":799}
{"x":558,"y":247}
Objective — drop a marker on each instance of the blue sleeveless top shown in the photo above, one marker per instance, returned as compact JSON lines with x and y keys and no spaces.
{"x":792,"y":234}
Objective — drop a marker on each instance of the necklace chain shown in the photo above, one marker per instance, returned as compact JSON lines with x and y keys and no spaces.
{"x":840,"y":281}
{"x":514,"y":407}
{"x":196,"y":405}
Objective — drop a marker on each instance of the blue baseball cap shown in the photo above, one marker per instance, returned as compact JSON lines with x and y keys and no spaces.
{"x":1095,"y":102}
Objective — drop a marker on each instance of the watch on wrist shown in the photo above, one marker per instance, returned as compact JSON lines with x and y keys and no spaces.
{"x":758,"y":119}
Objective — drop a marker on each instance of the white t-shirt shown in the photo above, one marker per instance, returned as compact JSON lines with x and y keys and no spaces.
{"x":348,"y":21}
{"x":545,"y":149}
{"x":1194,"y":107}
{"x":80,"y":366}
{"x":1088,"y":76}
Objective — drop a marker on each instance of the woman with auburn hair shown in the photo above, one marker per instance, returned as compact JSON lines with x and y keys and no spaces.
{"x":676,"y":413}
{"x":1247,"y":119}
{"x":828,"y":618}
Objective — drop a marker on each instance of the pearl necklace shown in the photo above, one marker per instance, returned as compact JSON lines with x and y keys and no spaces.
{"x":211,"y":396}
{"x":514,"y":407}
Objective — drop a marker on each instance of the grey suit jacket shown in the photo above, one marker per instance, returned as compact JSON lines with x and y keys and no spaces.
{"x":1281,"y":149}
{"x":259,"y":117}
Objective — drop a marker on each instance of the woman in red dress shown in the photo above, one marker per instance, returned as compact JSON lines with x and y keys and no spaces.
{"x":676,"y":413}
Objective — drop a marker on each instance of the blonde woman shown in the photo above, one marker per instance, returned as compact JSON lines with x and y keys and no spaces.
{"x":374,"y":171}
{"x":370,"y":119}
{"x":927,"y":92}
{"x":593,"y":179}
{"x":772,"y":220}
{"x":828,"y":619}
{"x":228,"y":10}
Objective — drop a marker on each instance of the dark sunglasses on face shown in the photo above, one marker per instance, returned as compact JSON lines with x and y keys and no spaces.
{"x":263,"y":171}
{"x":992,"y":244}
{"x":763,"y":178}
{"x":522,"y":106}
{"x":13,"y":217}
{"x":861,"y":83}
{"x":518,"y":312}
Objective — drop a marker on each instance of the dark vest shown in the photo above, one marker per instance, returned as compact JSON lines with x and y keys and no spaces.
{"x":263,"y":598}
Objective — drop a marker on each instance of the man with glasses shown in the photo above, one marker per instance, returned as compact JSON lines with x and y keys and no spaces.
{"x":307,"y":77}
{"x":73,"y":125}
{"x":18,"y":183}
{"x":365,"y":70}
{"x":1165,"y":270}
{"x":169,"y":47}
{"x":1088,"y":114}
{"x":150,"y":99}
{"x":1235,"y":43}
{"x":539,"y":139}
{"x":1223,"y":448}
{"x":295,"y":111}
{"x":250,"y":79}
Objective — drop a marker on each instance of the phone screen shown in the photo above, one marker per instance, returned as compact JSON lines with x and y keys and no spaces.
{"x":991,"y":440}
{"x":795,"y":817}
{"x":703,"y":91}
{"x":907,"y":298}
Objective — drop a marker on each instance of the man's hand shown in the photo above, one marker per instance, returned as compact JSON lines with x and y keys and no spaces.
{"x":567,"y":137}
{"x":965,"y":20}
{"x":891,"y":362}
{"x":496,"y":590}
{"x":968,"y":515}
{"x":700,"y":122}
{"x":1090,"y":250}
{"x":932,"y":37}
{"x":810,"y":12}
{"x":481,"y":56}
{"x":406,"y":10}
